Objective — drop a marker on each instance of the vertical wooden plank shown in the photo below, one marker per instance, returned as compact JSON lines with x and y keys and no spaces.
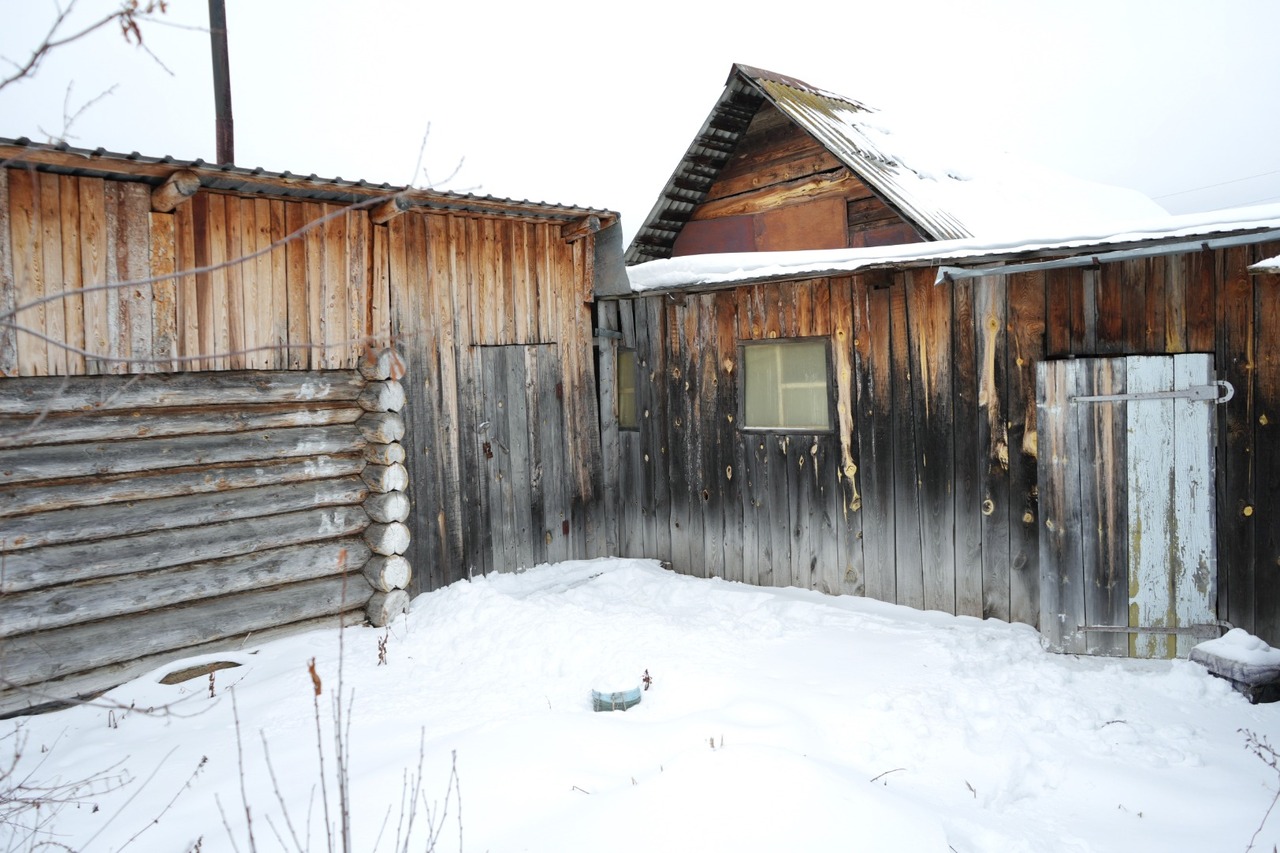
{"x":8,"y":288}
{"x":358,"y":287}
{"x":336,"y":290}
{"x":677,"y":470}
{"x":706,"y":436}
{"x":726,"y":465}
{"x":1074,"y":281}
{"x":281,"y":310}
{"x":1111,"y":309}
{"x":610,"y":440}
{"x":848,"y":574}
{"x":250,"y":289}
{"x":1061,"y":586}
{"x":1152,"y":504}
{"x":50,"y":224}
{"x":463,"y":248}
{"x":73,"y":303}
{"x":552,"y":450}
{"x":969,"y":457}
{"x":191,"y":287}
{"x":778,"y":464}
{"x":523,"y":304}
{"x":1267,"y":459}
{"x":134,"y":260}
{"x":992,"y":341}
{"x":930,"y":362}
{"x":1192,"y":560}
{"x":260,"y":295}
{"x":93,"y":270}
{"x":1026,"y":323}
{"x":1060,"y":287}
{"x":233,"y":277}
{"x":1102,"y":439}
{"x":521,"y":362}
{"x":1235,"y":359}
{"x":656,"y":450}
{"x":1202,"y":301}
{"x":217,"y":355}
{"x":164,"y":308}
{"x":1175,"y":303}
{"x":28,"y":273}
{"x":441,"y":271}
{"x":1152,"y":271}
{"x":874,"y":384}
{"x":380,"y":289}
{"x":907,"y":477}
{"x":117,"y":329}
{"x":314,"y":256}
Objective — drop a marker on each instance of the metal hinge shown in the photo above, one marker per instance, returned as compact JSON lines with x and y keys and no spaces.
{"x":1219,"y":392}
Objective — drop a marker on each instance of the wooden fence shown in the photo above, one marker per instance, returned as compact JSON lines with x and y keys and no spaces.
{"x":148,"y":517}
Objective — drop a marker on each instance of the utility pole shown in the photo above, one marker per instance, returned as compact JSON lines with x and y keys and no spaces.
{"x":222,"y":82}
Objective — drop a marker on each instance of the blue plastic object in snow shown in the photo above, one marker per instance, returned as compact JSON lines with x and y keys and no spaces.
{"x":619,"y":700}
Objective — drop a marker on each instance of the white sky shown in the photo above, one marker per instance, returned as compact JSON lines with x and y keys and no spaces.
{"x":593,"y":104}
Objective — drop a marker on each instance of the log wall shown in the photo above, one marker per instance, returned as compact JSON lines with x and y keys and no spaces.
{"x":926,"y":494}
{"x":154,"y":515}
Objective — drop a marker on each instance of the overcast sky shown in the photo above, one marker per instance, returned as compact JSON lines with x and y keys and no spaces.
{"x":593,"y":103}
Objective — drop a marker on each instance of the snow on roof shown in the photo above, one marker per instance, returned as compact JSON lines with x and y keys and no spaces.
{"x":945,"y":183}
{"x":738,"y":268}
{"x":1269,"y":265}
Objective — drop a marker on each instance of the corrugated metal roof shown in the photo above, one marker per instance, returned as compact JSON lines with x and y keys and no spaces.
{"x":899,"y":163}
{"x":68,"y":160}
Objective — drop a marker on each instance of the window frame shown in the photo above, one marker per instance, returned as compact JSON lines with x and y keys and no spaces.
{"x":830,"y":394}
{"x":635,"y":387}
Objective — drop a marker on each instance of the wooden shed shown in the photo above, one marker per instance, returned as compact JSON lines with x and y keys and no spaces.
{"x":1075,"y":433}
{"x":237,"y":402}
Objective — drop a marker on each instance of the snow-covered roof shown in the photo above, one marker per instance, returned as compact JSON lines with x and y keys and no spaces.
{"x":944,"y":186}
{"x":1258,"y":223}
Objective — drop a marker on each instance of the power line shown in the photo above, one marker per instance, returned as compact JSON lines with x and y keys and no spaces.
{"x":1222,"y":184}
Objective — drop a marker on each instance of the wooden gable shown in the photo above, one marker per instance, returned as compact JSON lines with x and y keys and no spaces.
{"x":783,"y":190}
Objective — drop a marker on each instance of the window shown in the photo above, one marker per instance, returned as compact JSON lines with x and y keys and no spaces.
{"x":626,"y":373}
{"x":788,"y":385}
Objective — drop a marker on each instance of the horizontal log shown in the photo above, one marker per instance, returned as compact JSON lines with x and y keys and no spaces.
{"x":38,"y":567}
{"x":387,"y":396}
{"x":767,"y":198}
{"x":388,"y":572}
{"x":386,"y":364}
{"x":384,"y":607}
{"x":386,"y":478}
{"x":387,"y":539}
{"x":69,"y":427}
{"x":83,"y":686}
{"x":384,"y":454}
{"x":82,"y":524}
{"x":180,"y":186}
{"x":96,"y":491}
{"x":384,"y":212}
{"x":33,"y":658}
{"x":387,"y":507}
{"x":381,"y":427}
{"x":24,"y":397}
{"x":76,"y":603}
{"x":59,"y":461}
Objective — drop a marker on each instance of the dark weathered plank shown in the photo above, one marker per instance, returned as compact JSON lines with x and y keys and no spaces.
{"x":907,"y":477}
{"x":969,"y":457}
{"x":726,"y":468}
{"x":1062,"y":583}
{"x":1237,"y":498}
{"x":848,"y":573}
{"x":679,"y":466}
{"x":1104,"y":517}
{"x":874,"y":383}
{"x":1267,"y":460}
{"x":992,"y":342}
{"x":930,"y":314}
{"x":8,"y":292}
{"x":1026,"y":320}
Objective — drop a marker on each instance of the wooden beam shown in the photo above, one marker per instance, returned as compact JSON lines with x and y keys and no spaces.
{"x":180,"y":186}
{"x":580,"y":228}
{"x":388,"y":210}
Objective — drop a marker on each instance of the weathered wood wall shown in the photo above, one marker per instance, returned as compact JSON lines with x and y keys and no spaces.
{"x":461,"y":288}
{"x":926,"y":494}
{"x":152,"y":516}
{"x":782,"y":189}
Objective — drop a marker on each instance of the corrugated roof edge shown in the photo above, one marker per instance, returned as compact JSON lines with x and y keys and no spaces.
{"x":62,"y":159}
{"x":1260,"y":223}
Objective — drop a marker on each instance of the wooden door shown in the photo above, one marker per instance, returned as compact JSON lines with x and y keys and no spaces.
{"x":1126,"y":481}
{"x":520,"y":443}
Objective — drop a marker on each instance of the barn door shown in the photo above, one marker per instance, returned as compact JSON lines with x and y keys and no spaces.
{"x":1126,"y":482}
{"x":522,"y":457}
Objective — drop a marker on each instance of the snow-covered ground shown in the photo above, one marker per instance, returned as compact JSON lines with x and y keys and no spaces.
{"x":778,"y":720}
